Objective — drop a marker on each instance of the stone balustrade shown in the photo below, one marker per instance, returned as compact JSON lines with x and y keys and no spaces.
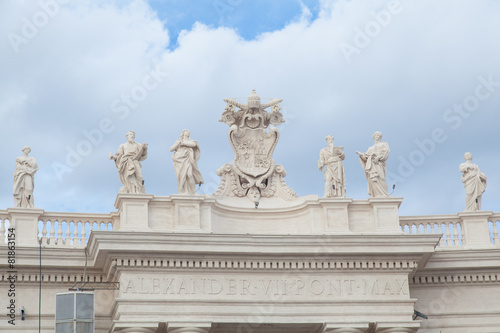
{"x":52,"y":228}
{"x":464,"y":230}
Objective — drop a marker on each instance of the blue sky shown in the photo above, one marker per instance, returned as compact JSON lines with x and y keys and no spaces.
{"x":249,"y":18}
{"x":426,"y":76}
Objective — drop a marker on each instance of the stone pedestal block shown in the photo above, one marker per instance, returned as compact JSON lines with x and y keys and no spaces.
{"x":475,"y":229}
{"x":189,"y":214}
{"x":336,"y":213}
{"x":134,"y":211}
{"x":386,"y":215}
{"x":25,"y":222}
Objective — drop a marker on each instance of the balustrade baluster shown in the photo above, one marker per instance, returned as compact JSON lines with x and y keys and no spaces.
{"x":84,"y":234}
{"x":495,"y":232}
{"x":448,"y":234}
{"x":67,"y":240}
{"x":52,"y":233}
{"x":2,"y":230}
{"x":59,"y":239}
{"x":463,"y":233}
{"x":454,"y":235}
{"x":440,"y":229}
{"x":44,"y":232}
{"x":425,"y":225}
{"x":459,"y":234}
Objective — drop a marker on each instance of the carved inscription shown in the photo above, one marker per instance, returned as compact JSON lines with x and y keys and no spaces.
{"x":313,"y":287}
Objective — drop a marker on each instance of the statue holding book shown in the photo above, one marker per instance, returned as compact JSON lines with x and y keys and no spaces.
{"x":127,"y":161}
{"x":331,"y":159}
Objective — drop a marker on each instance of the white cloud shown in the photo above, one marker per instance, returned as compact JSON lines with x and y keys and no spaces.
{"x":428,"y":57}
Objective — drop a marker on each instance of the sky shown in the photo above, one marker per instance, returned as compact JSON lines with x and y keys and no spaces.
{"x":75,"y":76}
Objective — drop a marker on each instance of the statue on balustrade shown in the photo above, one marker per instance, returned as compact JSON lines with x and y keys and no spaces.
{"x":186,"y":156}
{"x":127,"y":161}
{"x":474,"y":182}
{"x":374,"y":165}
{"x":24,"y":179}
{"x":331,"y":159}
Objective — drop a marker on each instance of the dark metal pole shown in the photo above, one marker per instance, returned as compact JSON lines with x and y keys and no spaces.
{"x":40,"y":292}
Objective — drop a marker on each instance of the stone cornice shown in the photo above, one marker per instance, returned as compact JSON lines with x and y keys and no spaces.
{"x":370,"y":244}
{"x":463,"y":260}
{"x":440,"y":278}
{"x":460,"y":267}
{"x":174,"y":250}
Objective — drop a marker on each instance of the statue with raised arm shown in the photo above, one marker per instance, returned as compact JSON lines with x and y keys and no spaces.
{"x":331,"y":159}
{"x":474,"y":182}
{"x":186,"y":156}
{"x":374,"y":165}
{"x":127,"y":161}
{"x":24,"y":179}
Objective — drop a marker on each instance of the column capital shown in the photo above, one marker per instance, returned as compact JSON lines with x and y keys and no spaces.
{"x":188,"y":327}
{"x":345,"y":328}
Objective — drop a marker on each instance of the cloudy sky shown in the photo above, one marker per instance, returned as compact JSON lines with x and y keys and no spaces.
{"x":75,"y":76}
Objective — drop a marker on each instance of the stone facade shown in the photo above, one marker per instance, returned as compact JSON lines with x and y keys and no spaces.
{"x":204,"y":264}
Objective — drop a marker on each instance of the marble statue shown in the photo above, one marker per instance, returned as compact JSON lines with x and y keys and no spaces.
{"x":474,"y":182}
{"x":24,"y":179}
{"x":186,"y":156}
{"x":374,"y":164}
{"x":331,"y":159}
{"x":127,"y":161}
{"x":253,"y":147}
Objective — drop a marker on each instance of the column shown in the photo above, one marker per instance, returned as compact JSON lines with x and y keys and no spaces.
{"x":203,"y":327}
{"x":397,"y":330}
{"x":395,"y":327}
{"x":345,"y":328}
{"x":135,"y":330}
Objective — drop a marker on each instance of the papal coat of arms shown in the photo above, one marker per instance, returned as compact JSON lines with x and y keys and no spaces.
{"x":253,"y":172}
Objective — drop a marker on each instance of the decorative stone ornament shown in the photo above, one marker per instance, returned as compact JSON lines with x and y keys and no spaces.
{"x":253,"y":164}
{"x":24,"y":179}
{"x":127,"y":161}
{"x":186,"y":156}
{"x":474,"y":182}
{"x":374,"y":165}
{"x":331,"y":159}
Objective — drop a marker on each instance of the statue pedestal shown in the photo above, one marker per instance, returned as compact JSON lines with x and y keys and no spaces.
{"x":386,"y":214}
{"x":375,"y":215}
{"x":189,"y":213}
{"x":475,"y":229}
{"x":134,"y":211}
{"x":25,"y":222}
{"x":336,"y":212}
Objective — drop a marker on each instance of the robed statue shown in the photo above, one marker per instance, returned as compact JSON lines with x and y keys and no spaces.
{"x":331,"y":159}
{"x":186,"y":156}
{"x":374,"y":165}
{"x":24,"y":179}
{"x":474,"y":183}
{"x":127,"y":160}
